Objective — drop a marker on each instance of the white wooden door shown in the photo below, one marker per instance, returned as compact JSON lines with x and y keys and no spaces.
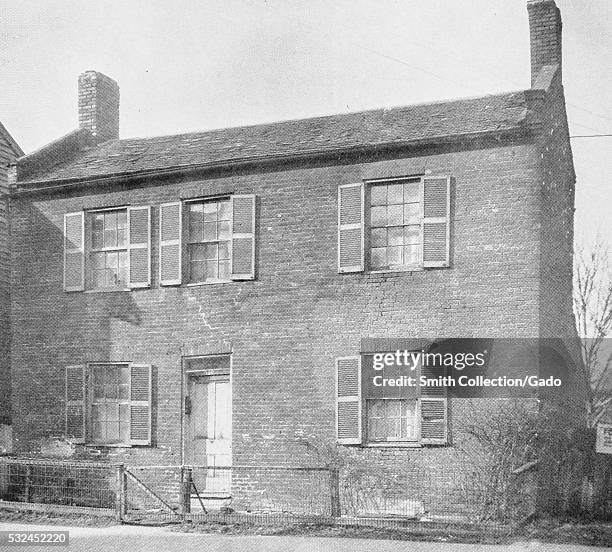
{"x":209,"y":436}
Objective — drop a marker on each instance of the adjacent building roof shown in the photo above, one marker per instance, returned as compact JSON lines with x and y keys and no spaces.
{"x":10,"y":141}
{"x":368,"y":129}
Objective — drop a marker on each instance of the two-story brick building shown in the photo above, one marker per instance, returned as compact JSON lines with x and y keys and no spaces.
{"x":208,"y":298}
{"x":9,"y":151}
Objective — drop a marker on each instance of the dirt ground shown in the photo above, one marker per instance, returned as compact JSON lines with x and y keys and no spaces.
{"x":542,"y":531}
{"x":146,"y":538}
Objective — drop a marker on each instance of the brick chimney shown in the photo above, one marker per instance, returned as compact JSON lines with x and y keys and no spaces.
{"x":99,"y":105}
{"x":545,"y":35}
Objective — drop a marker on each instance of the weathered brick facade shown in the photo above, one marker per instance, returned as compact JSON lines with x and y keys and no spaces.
{"x":509,"y":276}
{"x":9,"y":151}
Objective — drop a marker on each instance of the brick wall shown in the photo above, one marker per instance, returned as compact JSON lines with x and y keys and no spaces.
{"x":6,"y":156}
{"x":285,"y":328}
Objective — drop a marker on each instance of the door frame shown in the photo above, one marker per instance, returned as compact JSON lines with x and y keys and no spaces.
{"x":186,"y":372}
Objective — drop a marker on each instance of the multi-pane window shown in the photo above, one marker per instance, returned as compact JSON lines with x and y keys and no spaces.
{"x":395,"y":224}
{"x":391,"y":420}
{"x":110,"y":403}
{"x":108,"y":249}
{"x":209,"y":241}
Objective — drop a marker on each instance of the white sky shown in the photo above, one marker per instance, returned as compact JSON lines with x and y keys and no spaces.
{"x":202,"y":64}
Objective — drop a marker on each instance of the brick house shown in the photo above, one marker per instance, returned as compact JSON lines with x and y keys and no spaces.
{"x":9,"y":151}
{"x":211,"y":297}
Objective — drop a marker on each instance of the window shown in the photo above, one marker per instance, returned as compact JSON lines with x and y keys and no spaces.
{"x":108,"y":252}
{"x":107,"y":249}
{"x":109,"y":403}
{"x":209,"y":241}
{"x":395,"y":224}
{"x":391,"y":420}
{"x":393,"y":415}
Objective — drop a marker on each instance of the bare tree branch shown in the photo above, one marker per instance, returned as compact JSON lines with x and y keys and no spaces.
{"x":593,"y":311}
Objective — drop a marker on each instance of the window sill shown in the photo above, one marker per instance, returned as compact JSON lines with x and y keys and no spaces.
{"x":392,"y":270}
{"x":394,"y":444}
{"x":107,"y":445}
{"x":211,"y":282}
{"x":107,"y":290}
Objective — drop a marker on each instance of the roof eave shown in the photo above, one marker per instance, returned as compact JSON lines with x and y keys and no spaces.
{"x":31,"y":187}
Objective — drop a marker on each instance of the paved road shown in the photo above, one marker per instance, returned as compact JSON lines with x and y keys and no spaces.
{"x":126,"y":538}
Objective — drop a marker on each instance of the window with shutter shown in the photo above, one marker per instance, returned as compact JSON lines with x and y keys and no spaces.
{"x":392,"y":414}
{"x":107,"y":249}
{"x":109,"y":403}
{"x":221,"y":239}
{"x":408,"y":223}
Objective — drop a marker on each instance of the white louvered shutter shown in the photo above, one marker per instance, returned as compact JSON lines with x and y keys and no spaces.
{"x":436,"y":221}
{"x":350,"y":228}
{"x":75,"y":403}
{"x":243,"y":237}
{"x":140,"y":404}
{"x":170,"y":252}
{"x":74,"y":252}
{"x":348,"y":400}
{"x":139,"y":246}
{"x":434,"y":409}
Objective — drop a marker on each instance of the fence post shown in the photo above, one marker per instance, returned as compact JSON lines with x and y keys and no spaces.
{"x":28,"y":483}
{"x":121,"y":495}
{"x":334,"y":488}
{"x":186,"y":480}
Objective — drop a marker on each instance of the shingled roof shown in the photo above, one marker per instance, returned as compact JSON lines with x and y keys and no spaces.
{"x":415,"y":124}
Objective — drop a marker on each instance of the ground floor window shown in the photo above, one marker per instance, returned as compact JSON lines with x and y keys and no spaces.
{"x":370,"y":412}
{"x":391,"y":420}
{"x":109,"y":403}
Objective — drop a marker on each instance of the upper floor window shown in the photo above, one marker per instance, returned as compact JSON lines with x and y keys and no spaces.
{"x":209,"y":240}
{"x":395,"y":224}
{"x":107,"y":249}
{"x":108,"y":253}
